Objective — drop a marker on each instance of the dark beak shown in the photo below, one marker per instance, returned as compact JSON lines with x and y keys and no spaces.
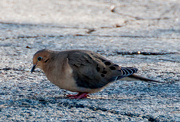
{"x":33,"y":68}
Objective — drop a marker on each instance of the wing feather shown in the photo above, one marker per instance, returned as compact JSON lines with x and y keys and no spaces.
{"x":91,"y":70}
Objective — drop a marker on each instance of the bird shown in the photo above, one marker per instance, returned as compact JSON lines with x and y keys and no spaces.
{"x":81,"y":71}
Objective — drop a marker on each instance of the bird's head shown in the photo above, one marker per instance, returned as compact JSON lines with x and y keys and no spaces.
{"x":40,"y":59}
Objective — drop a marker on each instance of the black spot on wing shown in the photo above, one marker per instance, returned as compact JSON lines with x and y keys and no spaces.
{"x":107,"y":63}
{"x":104,"y":72}
{"x":116,"y":65}
{"x":102,"y":75}
{"x":112,"y":68}
{"x":97,"y":68}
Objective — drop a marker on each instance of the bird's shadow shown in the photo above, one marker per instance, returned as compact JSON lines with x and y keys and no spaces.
{"x":119,"y":95}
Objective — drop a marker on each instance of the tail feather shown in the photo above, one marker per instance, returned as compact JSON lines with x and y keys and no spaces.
{"x":143,"y":78}
{"x":126,"y":71}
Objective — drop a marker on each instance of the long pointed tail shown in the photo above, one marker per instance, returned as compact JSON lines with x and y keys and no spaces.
{"x":137,"y":77}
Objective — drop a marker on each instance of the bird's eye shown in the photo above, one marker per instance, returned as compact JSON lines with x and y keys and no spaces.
{"x":39,"y":58}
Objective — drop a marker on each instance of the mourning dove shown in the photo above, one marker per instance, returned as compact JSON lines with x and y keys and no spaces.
{"x":81,"y":71}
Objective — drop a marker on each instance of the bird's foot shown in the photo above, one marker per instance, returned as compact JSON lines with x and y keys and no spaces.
{"x":78,"y":96}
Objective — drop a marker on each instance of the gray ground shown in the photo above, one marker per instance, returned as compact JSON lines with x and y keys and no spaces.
{"x":149,"y":26}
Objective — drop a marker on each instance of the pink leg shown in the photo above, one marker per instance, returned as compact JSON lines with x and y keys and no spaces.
{"x":78,"y":96}
{"x":83,"y":95}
